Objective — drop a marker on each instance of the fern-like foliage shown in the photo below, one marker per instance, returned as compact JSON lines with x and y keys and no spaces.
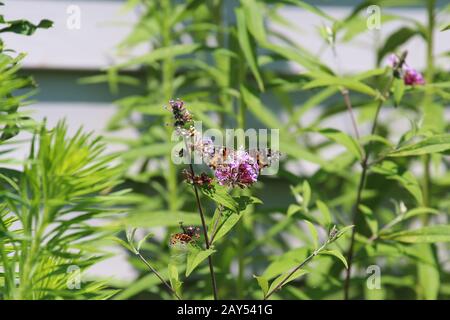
{"x":49,"y":213}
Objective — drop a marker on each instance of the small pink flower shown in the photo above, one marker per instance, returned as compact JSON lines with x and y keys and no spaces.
{"x":412,"y":77}
{"x":393,"y":60}
{"x":239,"y":170}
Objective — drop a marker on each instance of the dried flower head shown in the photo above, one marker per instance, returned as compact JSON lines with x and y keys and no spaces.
{"x":181,"y":115}
{"x":202,"y":180}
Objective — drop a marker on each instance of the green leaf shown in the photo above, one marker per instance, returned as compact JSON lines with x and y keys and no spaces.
{"x":195,"y":257}
{"x":25,"y":27}
{"x":175,"y":282}
{"x":345,"y":140}
{"x":428,"y":234}
{"x":124,"y":244}
{"x":228,"y":219}
{"x":160,"y":218}
{"x":406,"y":179}
{"x":313,"y":9}
{"x":261,"y":112}
{"x":434,"y":144}
{"x":306,"y":192}
{"x":326,"y":215}
{"x":226,"y":225}
{"x":343,"y":231}
{"x":419,"y":211}
{"x":219,"y":194}
{"x":287,"y":261}
{"x":351,"y":84}
{"x":370,"y":219}
{"x":428,"y":274}
{"x":142,"y":241}
{"x":314,"y":233}
{"x":254,"y":19}
{"x":395,"y":40}
{"x":153,"y":150}
{"x":292,"y":209}
{"x":281,"y":278}
{"x":336,"y":254}
{"x":247,"y":47}
{"x":159,"y":54}
{"x":399,"y":90}
{"x":263,"y":284}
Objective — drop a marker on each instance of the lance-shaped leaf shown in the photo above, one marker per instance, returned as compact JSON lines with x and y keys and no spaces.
{"x":323,"y":80}
{"x":284,"y":280}
{"x":247,"y":47}
{"x":344,"y":140}
{"x":263,"y":284}
{"x":434,"y":144}
{"x":175,"y":282}
{"x":337,"y":254}
{"x":220,"y":195}
{"x":428,"y":234}
{"x":195,"y":257}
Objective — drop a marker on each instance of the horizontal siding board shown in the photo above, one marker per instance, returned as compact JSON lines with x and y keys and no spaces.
{"x":104,"y":24}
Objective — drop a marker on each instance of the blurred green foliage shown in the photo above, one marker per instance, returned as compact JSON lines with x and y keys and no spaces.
{"x":227,"y":61}
{"x":379,"y":200}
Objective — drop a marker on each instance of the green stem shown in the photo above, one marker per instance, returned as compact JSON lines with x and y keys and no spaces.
{"x":168,"y":74}
{"x":241,"y":224}
{"x":168,"y":286}
{"x":428,"y":99}
{"x":301,"y":265}
{"x":363,"y":178}
{"x":205,"y":230}
{"x":205,"y":233}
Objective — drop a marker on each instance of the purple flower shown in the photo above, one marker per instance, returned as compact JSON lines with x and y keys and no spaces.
{"x":393,"y":60}
{"x":412,"y":77}
{"x":239,"y":170}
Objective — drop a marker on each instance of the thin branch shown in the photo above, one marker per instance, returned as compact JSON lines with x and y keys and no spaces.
{"x":138,"y":254}
{"x":363,"y":177}
{"x":345,"y":93}
{"x":205,"y":230}
{"x":301,"y":265}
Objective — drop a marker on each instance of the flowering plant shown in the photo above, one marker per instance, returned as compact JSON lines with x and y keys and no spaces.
{"x":348,"y":155}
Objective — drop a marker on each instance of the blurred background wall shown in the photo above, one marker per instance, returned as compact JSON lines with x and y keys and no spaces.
{"x":59,"y":57}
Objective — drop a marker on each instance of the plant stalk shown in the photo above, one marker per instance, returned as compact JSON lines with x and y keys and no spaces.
{"x":428,"y":99}
{"x":169,"y":287}
{"x":363,"y":178}
{"x":301,"y":265}
{"x":205,"y":230}
{"x":205,"y":233}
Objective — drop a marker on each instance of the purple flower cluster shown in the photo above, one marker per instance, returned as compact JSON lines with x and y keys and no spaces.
{"x":240,"y":169}
{"x":231,"y":167}
{"x":410,"y":76}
